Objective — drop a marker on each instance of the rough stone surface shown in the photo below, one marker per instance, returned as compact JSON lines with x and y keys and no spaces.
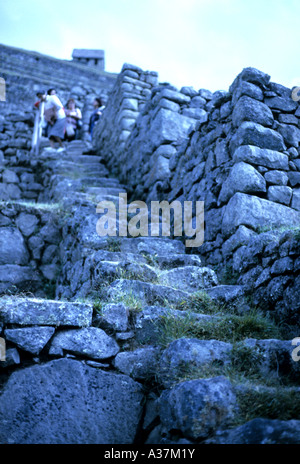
{"x":184,"y":355}
{"x":12,"y":247}
{"x":260,"y":432}
{"x":248,"y":109}
{"x":251,"y":133}
{"x":242,"y":178}
{"x":32,"y":339}
{"x":139,"y":364}
{"x":255,"y":213}
{"x":115,"y":316}
{"x":189,"y":278}
{"x":187,"y":407}
{"x":94,"y":407}
{"x":27,"y":223}
{"x":90,"y":341}
{"x":263,"y":157}
{"x":34,"y":311}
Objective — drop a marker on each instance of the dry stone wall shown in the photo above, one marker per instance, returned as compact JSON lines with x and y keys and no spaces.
{"x":29,"y":239}
{"x":133,"y":87}
{"x":238,"y":151}
{"x":197,"y":146}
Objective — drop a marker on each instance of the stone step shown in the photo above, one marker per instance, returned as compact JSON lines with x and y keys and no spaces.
{"x":70,"y":169}
{"x":158,"y":261}
{"x":85,"y":159}
{"x":94,"y":187}
{"x":189,"y":278}
{"x":145,"y":292}
{"x":261,"y":358}
{"x":40,"y":312}
{"x":75,"y":157}
{"x":106,"y":271}
{"x":152,"y":245}
{"x":170,"y":261}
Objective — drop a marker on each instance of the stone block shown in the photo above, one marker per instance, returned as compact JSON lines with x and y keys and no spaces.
{"x":276,"y":177}
{"x":296,"y":199}
{"x":242,"y":178}
{"x":250,"y":133}
{"x":188,"y":406}
{"x":12,"y":247}
{"x":91,"y":342}
{"x":255,"y":213}
{"x":248,"y":109}
{"x":168,"y":127}
{"x":27,"y":223}
{"x":35,"y":311}
{"x":262,"y":157}
{"x":280,"y":194}
{"x":283,"y":104}
{"x":31,"y":339}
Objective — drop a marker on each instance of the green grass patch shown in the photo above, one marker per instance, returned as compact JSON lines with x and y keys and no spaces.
{"x":113,"y":244}
{"x":131,"y":301}
{"x":270,"y":403}
{"x":227,"y":327}
{"x":199,"y":302}
{"x":295,"y":230}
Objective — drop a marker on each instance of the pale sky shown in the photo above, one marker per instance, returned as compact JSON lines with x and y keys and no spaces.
{"x":199,"y":43}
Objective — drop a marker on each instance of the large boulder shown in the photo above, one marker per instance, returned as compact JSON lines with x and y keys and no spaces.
{"x":67,"y":402}
{"x":198,"y":407}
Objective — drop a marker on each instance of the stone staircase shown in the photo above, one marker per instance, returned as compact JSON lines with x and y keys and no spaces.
{"x":141,"y":343}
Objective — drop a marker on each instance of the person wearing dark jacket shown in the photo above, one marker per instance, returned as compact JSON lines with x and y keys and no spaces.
{"x":98,"y":108}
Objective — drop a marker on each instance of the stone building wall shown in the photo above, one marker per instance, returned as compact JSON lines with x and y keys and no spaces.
{"x":127,"y":98}
{"x":238,"y":151}
{"x":236,"y":148}
{"x":27,"y":72}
